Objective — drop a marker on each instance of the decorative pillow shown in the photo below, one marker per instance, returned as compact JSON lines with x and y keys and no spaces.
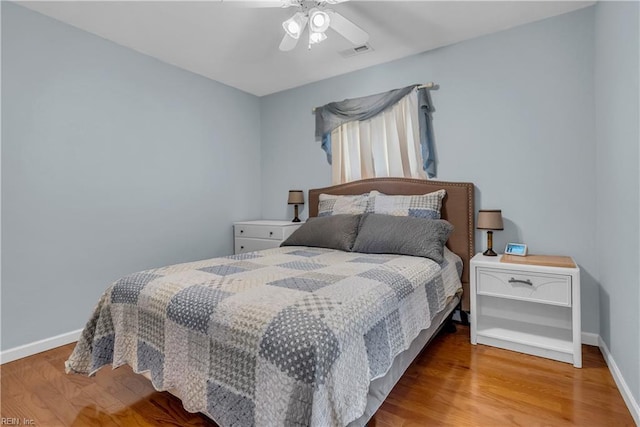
{"x":387,"y":234}
{"x":330,"y":204}
{"x":333,"y":232}
{"x":423,"y":206}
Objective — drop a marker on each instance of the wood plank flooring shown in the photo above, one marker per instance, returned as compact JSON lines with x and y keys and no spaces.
{"x":451,"y":384}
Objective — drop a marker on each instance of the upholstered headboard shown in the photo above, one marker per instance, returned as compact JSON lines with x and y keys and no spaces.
{"x":457,"y":208}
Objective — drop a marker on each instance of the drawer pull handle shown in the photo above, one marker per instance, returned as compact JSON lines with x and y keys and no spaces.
{"x":271,"y":233}
{"x":241,"y":231}
{"x":241,"y":247}
{"x":524,"y":282}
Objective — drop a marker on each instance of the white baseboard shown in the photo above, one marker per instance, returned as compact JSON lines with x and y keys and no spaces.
{"x":38,"y":346}
{"x":589,"y":338}
{"x":628,"y":398}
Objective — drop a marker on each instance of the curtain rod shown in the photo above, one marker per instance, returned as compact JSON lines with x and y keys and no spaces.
{"x":430,"y":85}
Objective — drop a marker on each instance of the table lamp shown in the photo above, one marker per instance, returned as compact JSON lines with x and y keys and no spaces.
{"x":490,"y":219}
{"x":296,"y":197}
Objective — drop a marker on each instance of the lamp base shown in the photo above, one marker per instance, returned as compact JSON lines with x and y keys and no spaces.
{"x":295,"y":213}
{"x":489,"y":252}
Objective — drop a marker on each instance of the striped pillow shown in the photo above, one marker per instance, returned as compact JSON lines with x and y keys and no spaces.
{"x":423,"y":206}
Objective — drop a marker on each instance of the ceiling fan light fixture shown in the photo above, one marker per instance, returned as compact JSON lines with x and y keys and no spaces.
{"x":319,"y":20}
{"x":295,"y":25}
{"x":316,"y":37}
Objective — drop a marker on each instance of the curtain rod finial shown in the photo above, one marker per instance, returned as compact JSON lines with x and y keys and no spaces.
{"x":430,"y":85}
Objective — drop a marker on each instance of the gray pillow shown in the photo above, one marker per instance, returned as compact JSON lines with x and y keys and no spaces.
{"x":388,"y":234}
{"x":333,"y":232}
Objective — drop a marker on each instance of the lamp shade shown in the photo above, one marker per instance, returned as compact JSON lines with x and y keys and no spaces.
{"x":490,"y":219}
{"x":296,"y":197}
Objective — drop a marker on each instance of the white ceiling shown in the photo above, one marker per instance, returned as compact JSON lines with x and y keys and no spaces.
{"x":238,"y":45}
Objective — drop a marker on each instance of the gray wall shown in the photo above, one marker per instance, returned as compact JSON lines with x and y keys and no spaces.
{"x":112,"y":162}
{"x":618,"y":215}
{"x":514,"y":115}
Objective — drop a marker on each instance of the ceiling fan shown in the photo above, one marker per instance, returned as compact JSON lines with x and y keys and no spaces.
{"x":315,"y":15}
{"x":319,"y":19}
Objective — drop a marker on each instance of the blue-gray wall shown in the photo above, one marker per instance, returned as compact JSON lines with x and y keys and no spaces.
{"x":514,"y":115}
{"x":112,"y":162}
{"x":617,"y":87}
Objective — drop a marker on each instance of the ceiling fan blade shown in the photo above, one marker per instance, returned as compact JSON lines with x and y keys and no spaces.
{"x":347,"y":29}
{"x":288,"y":43}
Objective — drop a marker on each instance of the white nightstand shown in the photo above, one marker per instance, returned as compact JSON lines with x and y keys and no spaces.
{"x":252,"y":236}
{"x":530,"y":305}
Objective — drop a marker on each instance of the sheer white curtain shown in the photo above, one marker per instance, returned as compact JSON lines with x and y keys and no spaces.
{"x":385,"y":145}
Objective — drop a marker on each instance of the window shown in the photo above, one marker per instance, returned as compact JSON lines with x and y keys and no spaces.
{"x":383,"y":135}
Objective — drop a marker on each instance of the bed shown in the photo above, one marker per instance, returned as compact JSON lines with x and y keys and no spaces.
{"x":296,"y":335}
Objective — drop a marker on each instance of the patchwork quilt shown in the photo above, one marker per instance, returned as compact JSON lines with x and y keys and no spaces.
{"x":286,"y":336}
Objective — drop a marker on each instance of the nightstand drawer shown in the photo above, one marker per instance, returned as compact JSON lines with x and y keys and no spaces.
{"x":249,"y":245}
{"x":260,"y":232}
{"x":522,"y":285}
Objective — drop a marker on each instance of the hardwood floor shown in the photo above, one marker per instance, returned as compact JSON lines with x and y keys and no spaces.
{"x":451,"y":384}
